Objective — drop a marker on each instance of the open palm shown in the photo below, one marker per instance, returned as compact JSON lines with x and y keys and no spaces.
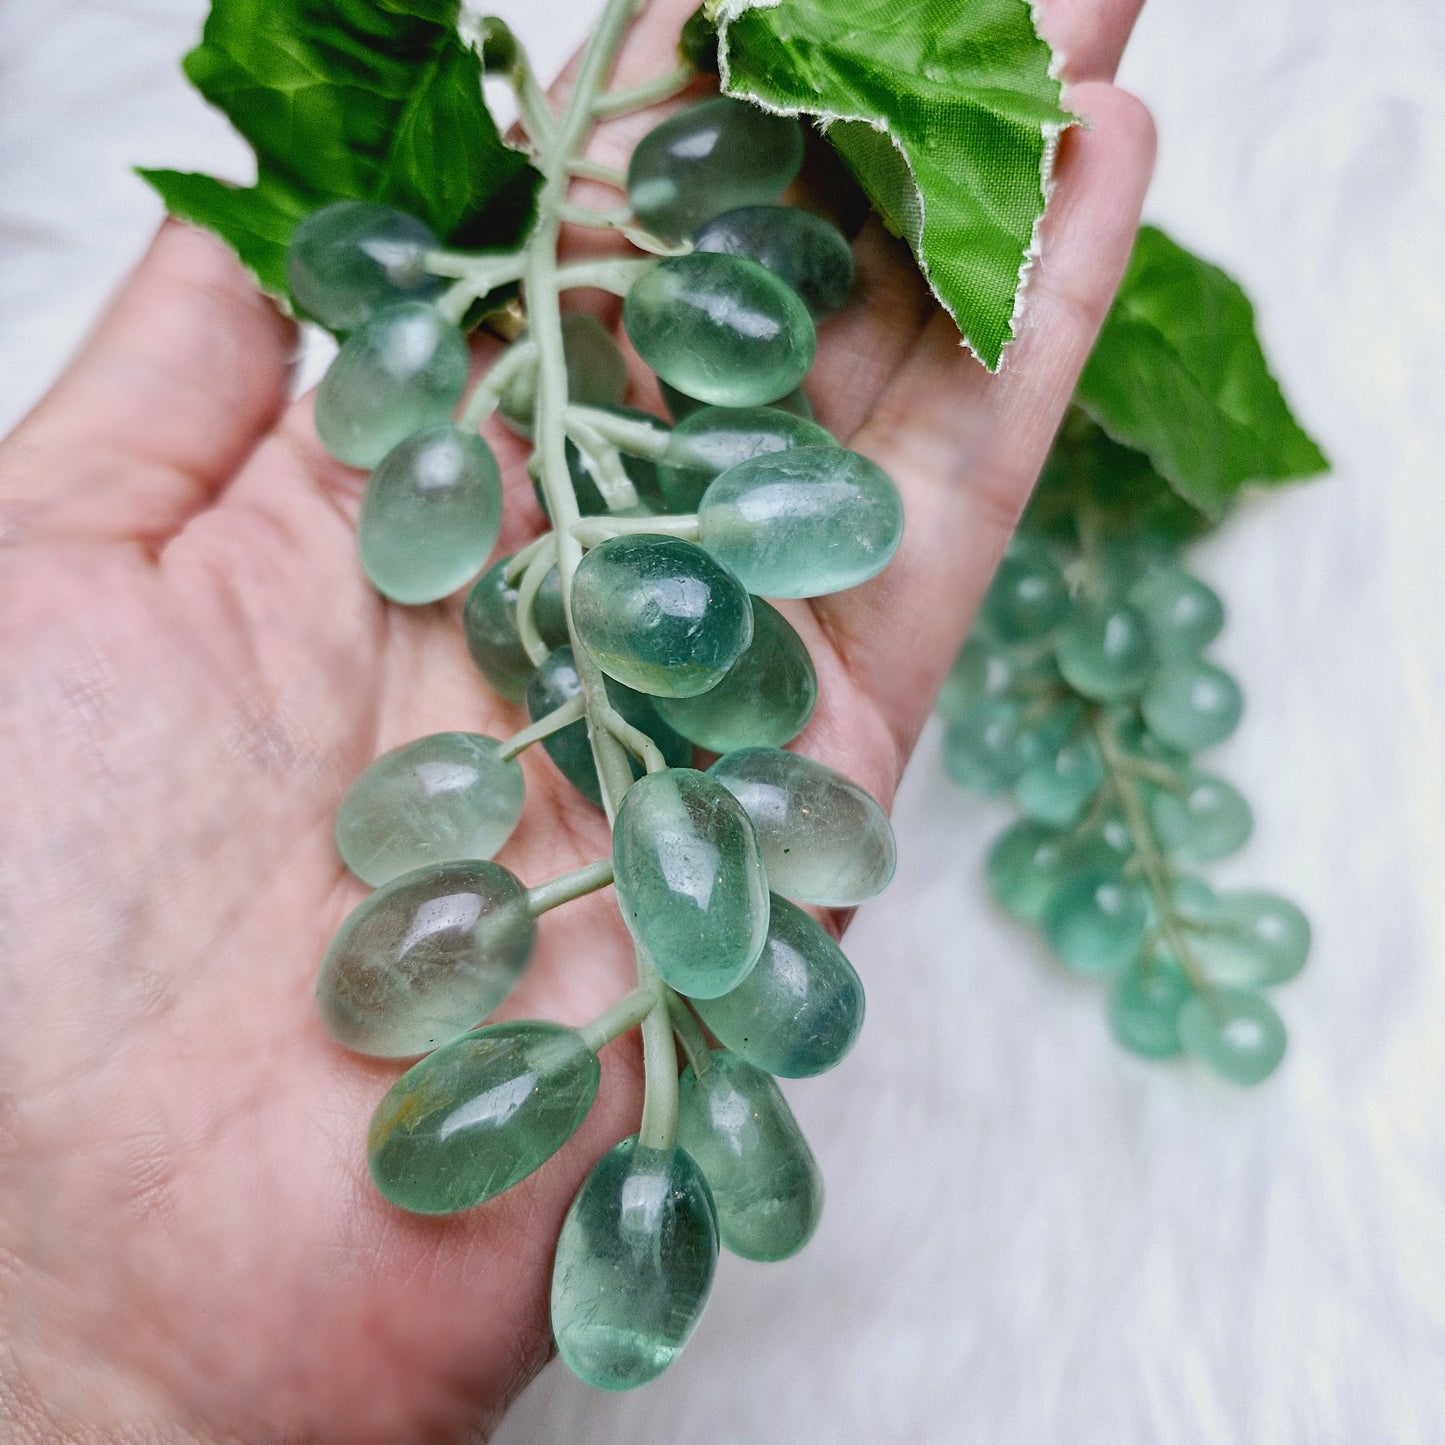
{"x":194,"y":669}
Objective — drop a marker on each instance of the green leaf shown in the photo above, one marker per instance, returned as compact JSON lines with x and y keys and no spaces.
{"x":945,"y":110}
{"x":1178,"y":373}
{"x":375,"y":100}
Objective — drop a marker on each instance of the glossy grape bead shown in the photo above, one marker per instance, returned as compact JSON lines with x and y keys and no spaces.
{"x":596,"y":372}
{"x":987,"y":749}
{"x":800,"y":1009}
{"x":425,"y":958}
{"x":764,"y":1181}
{"x":1183,"y":614}
{"x":690,"y":880}
{"x":1058,"y":787}
{"x":708,"y":159}
{"x":681,"y":406}
{"x":351,"y":259}
{"x":713,"y":438}
{"x":803,"y":522}
{"x":402,"y":371}
{"x":1144,"y":1006}
{"x":1105,"y":653}
{"x":765,"y":698}
{"x":1024,"y":866}
{"x":489,"y":621}
{"x":1253,"y":939}
{"x":1028,"y":597}
{"x":720,"y":328}
{"x":660,"y":614}
{"x":634,"y":1264}
{"x":1235,"y":1032}
{"x":979,"y":672}
{"x":430,"y":514}
{"x":1205,"y":822}
{"x":479,"y":1115}
{"x":1095,"y":921}
{"x":441,"y":798}
{"x":823,"y":839}
{"x":1192,"y":705}
{"x":812,"y":255}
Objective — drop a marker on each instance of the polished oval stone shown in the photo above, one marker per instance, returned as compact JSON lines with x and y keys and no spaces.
{"x":659,"y":614}
{"x":1206,"y":820}
{"x":708,"y":159}
{"x":1104,"y":652}
{"x":1028,"y":597}
{"x":689,"y":880}
{"x":680,"y":405}
{"x":710,"y":440}
{"x":812,"y":255}
{"x":402,"y":371}
{"x":720,"y":328}
{"x":735,"y":1123}
{"x":1251,"y":938}
{"x":764,"y":699}
{"x":480,"y":1114}
{"x":1025,"y":864}
{"x":596,"y":372}
{"x":823,"y":839}
{"x":430,"y":514}
{"x":351,"y":259}
{"x":800,"y":1009}
{"x":1235,"y":1032}
{"x":1192,"y":705}
{"x":443,"y":797}
{"x":1095,"y":921}
{"x":804,"y":522}
{"x":489,"y":621}
{"x":634,"y":1264}
{"x":1144,"y":1006}
{"x":425,"y":958}
{"x":980,"y":673}
{"x":1058,"y":787}
{"x":1183,"y":614}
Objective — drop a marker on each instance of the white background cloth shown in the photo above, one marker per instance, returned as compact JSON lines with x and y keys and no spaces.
{"x":1032,"y":1239}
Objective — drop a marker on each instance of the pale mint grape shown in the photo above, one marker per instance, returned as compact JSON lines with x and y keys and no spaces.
{"x":980,"y":671}
{"x":660,"y":614}
{"x":1252,"y":938}
{"x":1095,"y":921}
{"x":708,"y":159}
{"x":804,"y":522}
{"x":1207,"y":820}
{"x":706,"y":442}
{"x":1057,"y":788}
{"x":1144,"y":1007}
{"x":1235,"y":1032}
{"x":1104,"y":652}
{"x":1025,"y":865}
{"x":430,"y":514}
{"x":1183,"y":614}
{"x":720,"y":328}
{"x":987,"y":749}
{"x":1028,"y":597}
{"x":680,"y":405}
{"x":1192,"y":705}
{"x":351,"y":259}
{"x":489,"y":621}
{"x":596,"y":372}
{"x":812,"y":255}
{"x":443,"y":797}
{"x":402,"y":371}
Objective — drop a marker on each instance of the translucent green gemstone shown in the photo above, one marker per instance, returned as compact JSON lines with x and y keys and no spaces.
{"x":1235,"y":1032}
{"x":680,"y":405}
{"x":804,"y":522}
{"x":1059,"y":787}
{"x":812,"y":255}
{"x":1183,"y":614}
{"x":765,"y":698}
{"x":801,"y":1008}
{"x":979,"y":672}
{"x":641,"y":472}
{"x":351,"y":259}
{"x":479,"y":1115}
{"x":635,"y":1261}
{"x":765,"y":1183}
{"x":720,"y":328}
{"x":1024,"y":866}
{"x":444,"y":797}
{"x":823,"y":839}
{"x":489,"y":621}
{"x":1144,"y":1006}
{"x":987,"y":749}
{"x":1095,"y":921}
{"x":708,"y":159}
{"x":596,"y":372}
{"x":1192,"y":705}
{"x":1105,"y":653}
{"x":711,"y":439}
{"x":659,"y":614}
{"x":430,"y":514}
{"x":556,"y":682}
{"x":1028,"y":597}
{"x":690,"y":880}
{"x":425,"y":958}
{"x":1206,"y":821}
{"x":1252,"y":938}
{"x":402,"y":371}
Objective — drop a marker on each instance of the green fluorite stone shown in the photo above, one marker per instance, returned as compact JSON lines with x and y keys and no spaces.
{"x":1192,"y":705}
{"x":659,"y":614}
{"x":634,"y":1264}
{"x":720,"y":328}
{"x":680,"y":405}
{"x":489,"y":621}
{"x":480,"y":1114}
{"x":764,"y":1180}
{"x":596,"y":372}
{"x":1235,"y":1032}
{"x":1252,"y":938}
{"x":425,"y":958}
{"x":430,"y":514}
{"x":823,"y":839}
{"x":1028,"y":597}
{"x":1144,"y":1006}
{"x":812,"y":255}
{"x":689,"y":880}
{"x":1183,"y":614}
{"x":803,"y":522}
{"x":764,"y":699}
{"x":1204,"y":822}
{"x":1024,"y":866}
{"x":801,"y":1008}
{"x":1105,"y":653}
{"x":1095,"y":921}
{"x":443,"y":797}
{"x":404,"y":370}
{"x":1058,"y":787}
{"x":980,"y":673}
{"x":708,"y":441}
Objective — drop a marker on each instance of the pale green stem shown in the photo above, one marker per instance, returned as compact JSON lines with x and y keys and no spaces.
{"x":652,"y":92}
{"x":626,"y":1014}
{"x":604,"y":461}
{"x":626,"y":433}
{"x":532,"y":108}
{"x":560,"y":717}
{"x":611,"y":220}
{"x":577,"y":884}
{"x":518,"y":564}
{"x":527,"y":590}
{"x":592,"y":530}
{"x":486,"y":271}
{"x":634,"y":740}
{"x":689,"y":1034}
{"x":616,"y":276}
{"x":488,"y":392}
{"x":586,"y":170}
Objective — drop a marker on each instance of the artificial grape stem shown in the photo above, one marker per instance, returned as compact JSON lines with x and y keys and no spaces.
{"x":627,"y":434}
{"x":615,"y":276}
{"x":527,"y":590}
{"x":605,"y":463}
{"x":634,"y":740}
{"x":587,"y":170}
{"x":488,"y":392}
{"x":625,"y":1014}
{"x":577,"y":884}
{"x":689,"y":1034}
{"x":553,"y":722}
{"x":518,"y":564}
{"x":592,"y":530}
{"x":611,"y":220}
{"x":652,"y":92}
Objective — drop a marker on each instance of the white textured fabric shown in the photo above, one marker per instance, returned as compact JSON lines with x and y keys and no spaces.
{"x":1031,"y":1239}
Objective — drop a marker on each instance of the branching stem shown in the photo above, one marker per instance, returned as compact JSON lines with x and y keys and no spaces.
{"x":553,"y":722}
{"x":577,"y":884}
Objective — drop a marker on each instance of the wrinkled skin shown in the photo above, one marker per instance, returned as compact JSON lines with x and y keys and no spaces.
{"x":193,"y":671}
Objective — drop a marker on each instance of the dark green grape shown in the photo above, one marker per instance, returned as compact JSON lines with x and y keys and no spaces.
{"x":1025,"y":865}
{"x":1235,"y":1032}
{"x":812,"y":255}
{"x":1058,"y":787}
{"x":1207,"y":820}
{"x":987,"y":749}
{"x":713,"y":438}
{"x":596,"y":373}
{"x":1192,"y":705}
{"x":1028,"y":597}
{"x":1144,"y":1006}
{"x":680,"y":405}
{"x":490,"y":623}
{"x":1095,"y":921}
{"x":1183,"y":615}
{"x":1105,"y":654}
{"x":1252,"y":938}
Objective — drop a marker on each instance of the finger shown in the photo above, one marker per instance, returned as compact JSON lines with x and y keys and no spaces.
{"x":1089,"y":35}
{"x":183,"y":374}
